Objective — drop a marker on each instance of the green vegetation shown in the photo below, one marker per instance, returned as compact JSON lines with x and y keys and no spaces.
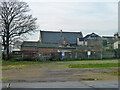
{"x":13,"y":62}
{"x":93,"y":65}
{"x":112,"y":59}
{"x":61,"y":64}
{"x":4,"y":63}
{"x":105,"y":43}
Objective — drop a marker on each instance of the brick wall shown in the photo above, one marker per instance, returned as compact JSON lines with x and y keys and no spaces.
{"x":29,"y":49}
{"x":94,"y":43}
{"x":41,"y":50}
{"x":47,"y":50}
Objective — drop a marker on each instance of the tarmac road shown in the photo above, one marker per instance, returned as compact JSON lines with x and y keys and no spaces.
{"x":67,"y":84}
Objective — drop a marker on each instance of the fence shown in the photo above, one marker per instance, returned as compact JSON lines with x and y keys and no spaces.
{"x":0,"y":51}
{"x":93,"y":55}
{"x":35,"y":56}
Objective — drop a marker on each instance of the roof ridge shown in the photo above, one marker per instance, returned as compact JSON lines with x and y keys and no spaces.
{"x":62,"y":31}
{"x":30,"y":41}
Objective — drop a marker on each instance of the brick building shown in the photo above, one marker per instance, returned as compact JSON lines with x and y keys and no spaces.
{"x":0,"y":49}
{"x":51,"y":41}
{"x":91,"y":40}
{"x":110,"y":40}
{"x":71,"y":44}
{"x":116,"y":44}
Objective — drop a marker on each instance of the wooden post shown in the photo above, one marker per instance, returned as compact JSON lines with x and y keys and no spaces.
{"x":22,"y":56}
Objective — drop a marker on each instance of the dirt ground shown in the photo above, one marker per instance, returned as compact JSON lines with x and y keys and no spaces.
{"x":58,"y":72}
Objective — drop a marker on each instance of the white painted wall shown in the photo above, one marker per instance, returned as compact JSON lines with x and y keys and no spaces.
{"x":81,"y":43}
{"x":116,"y":44}
{"x":64,"y":50}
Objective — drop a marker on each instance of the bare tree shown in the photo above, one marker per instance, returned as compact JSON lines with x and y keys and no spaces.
{"x":15,"y":22}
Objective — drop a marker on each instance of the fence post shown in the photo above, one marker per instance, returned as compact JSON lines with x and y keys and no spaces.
{"x":0,"y":52}
{"x":76,"y":55}
{"x":101,"y":54}
{"x":22,"y":56}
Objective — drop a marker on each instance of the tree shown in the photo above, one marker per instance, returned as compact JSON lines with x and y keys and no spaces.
{"x":104,"y":43}
{"x":15,"y":22}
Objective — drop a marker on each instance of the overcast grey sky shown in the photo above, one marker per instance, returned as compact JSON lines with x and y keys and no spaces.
{"x":87,"y":17}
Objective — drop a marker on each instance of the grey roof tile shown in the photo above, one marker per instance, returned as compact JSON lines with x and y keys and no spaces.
{"x":56,"y":37}
{"x":42,"y":45}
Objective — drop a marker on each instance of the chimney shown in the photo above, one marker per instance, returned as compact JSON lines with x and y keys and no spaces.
{"x":116,"y":35}
{"x":61,"y":32}
{"x":40,"y":38}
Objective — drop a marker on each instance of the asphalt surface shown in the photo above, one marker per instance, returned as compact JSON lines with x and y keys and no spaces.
{"x":50,"y":77}
{"x":68,"y":84}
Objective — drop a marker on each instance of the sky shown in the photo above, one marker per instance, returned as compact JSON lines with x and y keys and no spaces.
{"x":75,"y":16}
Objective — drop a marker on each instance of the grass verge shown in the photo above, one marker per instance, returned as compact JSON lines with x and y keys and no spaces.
{"x":6,"y":63}
{"x":13,"y":62}
{"x":95,"y":65}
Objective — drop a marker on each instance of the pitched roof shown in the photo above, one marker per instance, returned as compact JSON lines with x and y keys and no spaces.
{"x":81,"y":39}
{"x":56,"y":37}
{"x":92,"y":36}
{"x":41,"y":45}
{"x":110,"y":39}
{"x":107,"y":37}
{"x":29,"y":43}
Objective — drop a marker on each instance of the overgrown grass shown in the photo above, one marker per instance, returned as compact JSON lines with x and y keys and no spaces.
{"x":4,"y":63}
{"x":89,"y":59}
{"x":13,"y":62}
{"x":67,"y":60}
{"x":95,"y":65}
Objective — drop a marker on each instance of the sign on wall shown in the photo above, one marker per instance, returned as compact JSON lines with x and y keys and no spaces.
{"x":63,"y":54}
{"x":89,"y":53}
